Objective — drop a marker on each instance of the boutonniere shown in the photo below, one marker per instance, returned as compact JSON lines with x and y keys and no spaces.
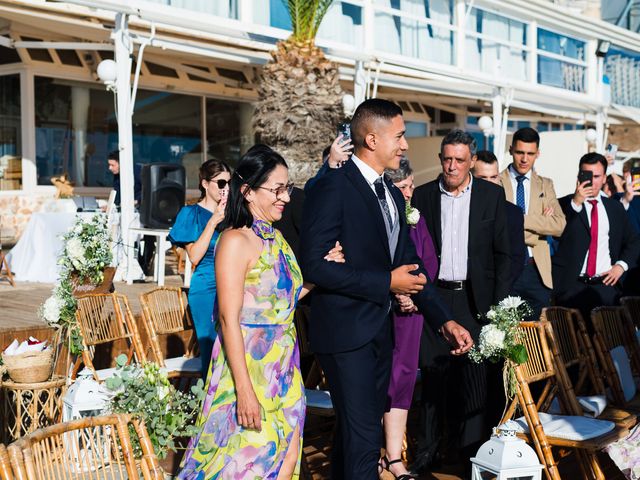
{"x":412,"y":214}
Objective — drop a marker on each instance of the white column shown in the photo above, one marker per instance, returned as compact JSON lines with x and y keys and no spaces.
{"x":79,"y":117}
{"x":497,"y":122}
{"x":123,"y":50}
{"x":28,"y":131}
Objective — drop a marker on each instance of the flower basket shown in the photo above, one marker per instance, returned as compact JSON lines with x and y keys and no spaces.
{"x":106,"y":286}
{"x":30,"y":367}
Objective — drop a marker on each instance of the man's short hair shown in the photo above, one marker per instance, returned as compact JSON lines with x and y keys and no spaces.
{"x":115,"y":155}
{"x":368,"y":111}
{"x":487,"y":157}
{"x":592,"y":158}
{"x":459,"y":137}
{"x":526,"y":135}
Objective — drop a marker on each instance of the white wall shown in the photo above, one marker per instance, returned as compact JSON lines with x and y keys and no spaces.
{"x":423,"y":155}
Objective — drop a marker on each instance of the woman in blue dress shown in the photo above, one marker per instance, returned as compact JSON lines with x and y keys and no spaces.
{"x":195,"y":231}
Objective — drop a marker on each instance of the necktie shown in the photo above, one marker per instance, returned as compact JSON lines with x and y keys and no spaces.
{"x":593,"y":244}
{"x":382,"y":198}
{"x":520,"y":193}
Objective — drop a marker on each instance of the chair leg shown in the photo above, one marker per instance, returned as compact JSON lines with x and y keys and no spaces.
{"x":5,"y":271}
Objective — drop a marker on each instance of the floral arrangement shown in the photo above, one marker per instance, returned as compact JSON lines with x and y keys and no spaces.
{"x":500,"y":339}
{"x":412,"y":214}
{"x":85,"y":255}
{"x":145,"y":391}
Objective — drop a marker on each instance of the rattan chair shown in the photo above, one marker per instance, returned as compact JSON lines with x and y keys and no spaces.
{"x":632,"y":307}
{"x":6,"y":472}
{"x":106,"y":319}
{"x":164,"y":313}
{"x":540,"y":367}
{"x":87,"y":448}
{"x":615,"y":328}
{"x":571,"y":346}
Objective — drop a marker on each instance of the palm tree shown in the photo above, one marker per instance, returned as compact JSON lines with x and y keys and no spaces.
{"x":299,"y":95}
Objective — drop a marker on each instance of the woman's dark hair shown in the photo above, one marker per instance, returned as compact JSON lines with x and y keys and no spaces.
{"x":252,"y":171}
{"x":208,"y":170}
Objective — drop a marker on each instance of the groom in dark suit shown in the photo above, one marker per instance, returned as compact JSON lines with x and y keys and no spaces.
{"x":350,"y":328}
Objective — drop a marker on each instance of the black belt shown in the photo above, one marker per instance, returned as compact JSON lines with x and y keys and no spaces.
{"x":451,"y":284}
{"x":530,"y":261}
{"x":590,"y":280}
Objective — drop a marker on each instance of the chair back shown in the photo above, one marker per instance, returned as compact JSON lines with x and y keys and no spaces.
{"x":105,"y":318}
{"x":6,"y":473}
{"x":632,"y":307}
{"x":164,"y":313}
{"x":91,"y":447}
{"x":615,"y":328}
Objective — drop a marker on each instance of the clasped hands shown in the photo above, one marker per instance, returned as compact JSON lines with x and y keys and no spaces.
{"x":404,"y":283}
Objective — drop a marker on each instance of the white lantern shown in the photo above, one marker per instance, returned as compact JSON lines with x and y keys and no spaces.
{"x":108,"y":72}
{"x":505,"y":457}
{"x":485,"y":123}
{"x":85,"y":398}
{"x":591,"y":136}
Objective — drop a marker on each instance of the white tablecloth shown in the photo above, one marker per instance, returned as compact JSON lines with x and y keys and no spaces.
{"x":34,"y":257}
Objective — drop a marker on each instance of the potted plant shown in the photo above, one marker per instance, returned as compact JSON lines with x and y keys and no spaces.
{"x":169,"y":414}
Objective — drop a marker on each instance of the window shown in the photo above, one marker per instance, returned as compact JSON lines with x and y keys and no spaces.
{"x":220,"y":8}
{"x":496,"y":45}
{"x":10,"y":117}
{"x":415,"y":28}
{"x":623,"y":69}
{"x":229,"y":130}
{"x":561,"y":61}
{"x":415,"y":129}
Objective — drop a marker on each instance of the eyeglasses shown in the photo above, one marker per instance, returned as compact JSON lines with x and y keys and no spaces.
{"x":221,"y":183}
{"x":279,"y":191}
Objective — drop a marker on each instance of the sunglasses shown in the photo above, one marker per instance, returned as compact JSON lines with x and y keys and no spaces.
{"x":220,"y":183}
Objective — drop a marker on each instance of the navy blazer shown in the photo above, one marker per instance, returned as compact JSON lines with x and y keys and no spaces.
{"x":624,"y":242}
{"x":351,"y":301}
{"x":515,"y":224}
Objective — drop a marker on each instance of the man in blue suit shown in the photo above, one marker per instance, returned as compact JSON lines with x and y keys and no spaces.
{"x":351,"y":324}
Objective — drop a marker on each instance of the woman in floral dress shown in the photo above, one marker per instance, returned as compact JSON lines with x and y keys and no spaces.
{"x":253,"y":414}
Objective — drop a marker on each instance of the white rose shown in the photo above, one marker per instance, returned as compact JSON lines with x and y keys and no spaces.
{"x":492,"y":337}
{"x":413,"y":215}
{"x":51,"y":309}
{"x":491,"y":314}
{"x":511,"y":302}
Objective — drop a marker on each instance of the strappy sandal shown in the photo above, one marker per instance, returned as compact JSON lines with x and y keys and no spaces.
{"x":385,"y":464}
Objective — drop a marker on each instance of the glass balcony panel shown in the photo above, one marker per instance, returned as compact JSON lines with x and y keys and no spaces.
{"x":497,"y":26}
{"x":560,"y":44}
{"x":220,"y":8}
{"x":622,"y":67}
{"x":493,"y":58}
{"x":439,"y":10}
{"x":343,"y":23}
{"x":557,"y":73}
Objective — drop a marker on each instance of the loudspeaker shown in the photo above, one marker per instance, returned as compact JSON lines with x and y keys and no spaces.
{"x":163,"y":194}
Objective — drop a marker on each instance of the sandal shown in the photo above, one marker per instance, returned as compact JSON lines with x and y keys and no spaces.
{"x":385,"y":464}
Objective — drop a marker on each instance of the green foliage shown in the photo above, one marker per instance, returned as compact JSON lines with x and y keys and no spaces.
{"x":306,"y":17}
{"x":145,"y":391}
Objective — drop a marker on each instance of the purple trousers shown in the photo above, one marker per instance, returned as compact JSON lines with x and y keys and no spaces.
{"x":404,"y":368}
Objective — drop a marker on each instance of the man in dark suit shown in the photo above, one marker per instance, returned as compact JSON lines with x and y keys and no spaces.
{"x":597,"y":246}
{"x":486,"y":168}
{"x":467,"y":221}
{"x":350,"y":328}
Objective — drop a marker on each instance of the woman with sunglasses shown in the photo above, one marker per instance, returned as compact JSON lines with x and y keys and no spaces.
{"x":195,"y":231}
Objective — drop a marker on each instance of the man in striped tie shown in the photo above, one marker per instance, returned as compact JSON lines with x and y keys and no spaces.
{"x":597,"y":246}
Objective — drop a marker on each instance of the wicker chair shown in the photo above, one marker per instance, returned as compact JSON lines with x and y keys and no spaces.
{"x":105,"y":319}
{"x":6,"y":473}
{"x":571,"y":346}
{"x":632,"y":307}
{"x":540,"y":367}
{"x":615,"y":328}
{"x":88,"y":448}
{"x":165,"y":313}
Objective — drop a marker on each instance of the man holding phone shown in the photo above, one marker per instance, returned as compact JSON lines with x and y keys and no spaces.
{"x":598,"y":244}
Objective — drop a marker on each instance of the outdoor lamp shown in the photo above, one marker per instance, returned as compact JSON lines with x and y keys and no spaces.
{"x":603,"y":48}
{"x":506,"y":457}
{"x":108,"y":72}
{"x":485,"y":123}
{"x":85,"y":398}
{"x":591,"y":136}
{"x":348,"y":104}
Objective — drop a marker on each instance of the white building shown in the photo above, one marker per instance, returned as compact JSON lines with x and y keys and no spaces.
{"x":446,"y":62}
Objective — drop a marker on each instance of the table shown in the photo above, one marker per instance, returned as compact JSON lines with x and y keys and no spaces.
{"x":25,"y":407}
{"x":35,"y":257}
{"x":161,"y":250}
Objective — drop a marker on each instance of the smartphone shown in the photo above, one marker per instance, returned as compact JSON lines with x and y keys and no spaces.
{"x":585,"y":176}
{"x":635,"y":178}
{"x":344,"y":129}
{"x":612,"y":149}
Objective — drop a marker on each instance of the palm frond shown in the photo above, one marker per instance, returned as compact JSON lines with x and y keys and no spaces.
{"x":321,"y":11}
{"x":306,"y":17}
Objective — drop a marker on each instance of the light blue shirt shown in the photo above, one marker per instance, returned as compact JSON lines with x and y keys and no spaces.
{"x":454,"y":222}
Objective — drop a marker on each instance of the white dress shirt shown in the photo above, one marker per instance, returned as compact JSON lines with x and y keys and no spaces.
{"x":370,"y":175}
{"x":527,"y":193}
{"x":603,"y":259}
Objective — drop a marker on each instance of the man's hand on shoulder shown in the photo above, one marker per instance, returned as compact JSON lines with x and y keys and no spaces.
{"x":404,"y":282}
{"x":457,"y":336}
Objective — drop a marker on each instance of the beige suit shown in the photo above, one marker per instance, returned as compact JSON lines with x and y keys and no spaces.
{"x":537,"y":225}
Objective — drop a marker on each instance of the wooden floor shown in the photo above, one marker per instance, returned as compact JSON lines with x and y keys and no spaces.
{"x":18,"y":317}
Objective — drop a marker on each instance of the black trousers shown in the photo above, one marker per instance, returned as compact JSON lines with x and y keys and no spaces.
{"x":529,"y":287}
{"x":587,"y":297}
{"x":454,"y":389}
{"x":358,"y":381}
